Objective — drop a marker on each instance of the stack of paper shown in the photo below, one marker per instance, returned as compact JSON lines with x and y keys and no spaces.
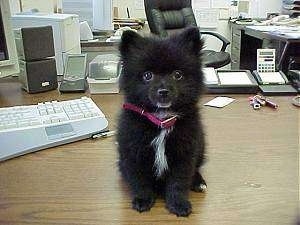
{"x":210,"y":75}
{"x":234,"y":78}
{"x":272,"y":78}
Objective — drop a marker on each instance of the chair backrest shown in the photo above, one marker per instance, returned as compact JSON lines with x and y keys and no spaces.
{"x":169,"y":16}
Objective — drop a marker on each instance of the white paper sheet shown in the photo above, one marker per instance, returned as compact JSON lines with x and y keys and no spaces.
{"x":210,"y":75}
{"x":293,"y":34}
{"x":207,"y":18}
{"x":278,"y":29}
{"x":271,"y":77}
{"x":234,"y":78}
{"x":219,"y":102}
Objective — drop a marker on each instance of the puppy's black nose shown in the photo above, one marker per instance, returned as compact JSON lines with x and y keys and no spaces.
{"x":162,"y":92}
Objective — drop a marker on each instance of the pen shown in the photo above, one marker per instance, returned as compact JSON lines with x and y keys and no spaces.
{"x":267,"y":102}
{"x":104,"y":134}
{"x":271,"y":104}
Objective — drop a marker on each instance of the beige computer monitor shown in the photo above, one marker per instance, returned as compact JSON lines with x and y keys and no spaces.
{"x":8,"y":53}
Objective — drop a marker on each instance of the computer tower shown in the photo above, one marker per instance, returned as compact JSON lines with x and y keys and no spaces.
{"x":38,"y":76}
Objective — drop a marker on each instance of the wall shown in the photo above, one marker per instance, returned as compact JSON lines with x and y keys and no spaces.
{"x":14,"y":6}
{"x":45,"y":6}
{"x":258,"y":8}
{"x":135,"y":7}
{"x":136,"y":10}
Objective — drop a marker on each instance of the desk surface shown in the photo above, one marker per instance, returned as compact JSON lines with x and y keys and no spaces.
{"x":251,"y":171}
{"x":275,"y":34}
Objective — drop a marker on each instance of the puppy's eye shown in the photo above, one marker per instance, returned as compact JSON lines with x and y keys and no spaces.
{"x":148,"y":76}
{"x":177,"y":75}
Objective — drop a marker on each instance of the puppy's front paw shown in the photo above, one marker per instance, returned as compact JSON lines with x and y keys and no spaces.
{"x":180,"y":207}
{"x":199,"y":184}
{"x":199,"y":188}
{"x":142,"y":204}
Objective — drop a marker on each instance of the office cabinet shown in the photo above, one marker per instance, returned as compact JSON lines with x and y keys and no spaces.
{"x":236,"y":36}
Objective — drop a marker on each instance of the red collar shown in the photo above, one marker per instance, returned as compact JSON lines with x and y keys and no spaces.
{"x":167,"y":123}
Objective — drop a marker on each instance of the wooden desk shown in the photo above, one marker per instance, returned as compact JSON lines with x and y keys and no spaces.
{"x":251,"y":171}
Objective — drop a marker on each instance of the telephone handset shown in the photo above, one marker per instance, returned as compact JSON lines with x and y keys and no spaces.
{"x":118,"y":34}
{"x":74,"y":79}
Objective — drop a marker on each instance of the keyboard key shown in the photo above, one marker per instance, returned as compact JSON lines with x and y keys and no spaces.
{"x":11,"y":125}
{"x":35,"y":122}
{"x":47,"y":121}
{"x":23,"y":123}
{"x":2,"y":127}
{"x":76,"y":116}
{"x":43,"y":112}
{"x":55,"y":120}
{"x":88,"y":114}
{"x":50,"y":111}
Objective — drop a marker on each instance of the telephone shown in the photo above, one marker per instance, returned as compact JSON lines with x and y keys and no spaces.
{"x":74,"y":79}
{"x":271,"y":82}
{"x":120,"y":31}
{"x":118,"y":34}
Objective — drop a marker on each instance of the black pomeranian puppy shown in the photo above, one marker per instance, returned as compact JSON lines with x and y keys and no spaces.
{"x":161,"y":143}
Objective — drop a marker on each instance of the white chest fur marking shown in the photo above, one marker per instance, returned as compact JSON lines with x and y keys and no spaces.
{"x":158,"y":143}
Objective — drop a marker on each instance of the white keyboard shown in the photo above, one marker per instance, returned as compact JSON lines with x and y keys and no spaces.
{"x":25,"y":129}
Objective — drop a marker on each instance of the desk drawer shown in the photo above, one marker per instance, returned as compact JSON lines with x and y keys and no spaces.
{"x":236,"y":32}
{"x":235,"y":61}
{"x":235,"y":65}
{"x":236,"y":40}
{"x":235,"y":50}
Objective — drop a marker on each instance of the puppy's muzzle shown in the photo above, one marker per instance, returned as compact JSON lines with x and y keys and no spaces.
{"x":163,"y":93}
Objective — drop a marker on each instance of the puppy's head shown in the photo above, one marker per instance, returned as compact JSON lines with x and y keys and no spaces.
{"x":161,"y":73}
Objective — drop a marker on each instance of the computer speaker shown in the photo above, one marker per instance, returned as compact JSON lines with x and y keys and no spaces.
{"x":38,"y":76}
{"x":34,"y":43}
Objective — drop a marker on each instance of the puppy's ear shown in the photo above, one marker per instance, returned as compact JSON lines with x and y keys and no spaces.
{"x":190,"y":39}
{"x":130,"y":39}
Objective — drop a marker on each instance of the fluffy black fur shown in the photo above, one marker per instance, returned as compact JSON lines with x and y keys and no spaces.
{"x":175,"y":66}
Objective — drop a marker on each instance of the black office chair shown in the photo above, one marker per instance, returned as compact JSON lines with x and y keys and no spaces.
{"x":169,"y":16}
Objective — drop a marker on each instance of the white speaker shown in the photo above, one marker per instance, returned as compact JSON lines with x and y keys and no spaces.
{"x":85,"y":31}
